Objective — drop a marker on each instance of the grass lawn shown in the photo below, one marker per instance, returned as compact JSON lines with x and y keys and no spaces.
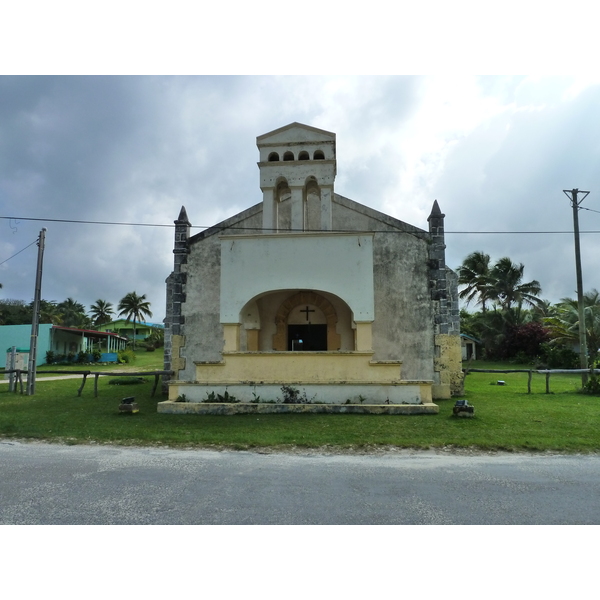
{"x":144,"y":361}
{"x":506,"y":418}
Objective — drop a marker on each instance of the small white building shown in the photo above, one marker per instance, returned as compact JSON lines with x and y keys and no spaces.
{"x":311,"y":289}
{"x":468,"y":346}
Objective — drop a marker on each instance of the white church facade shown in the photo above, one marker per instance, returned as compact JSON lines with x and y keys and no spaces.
{"x":312,"y":290}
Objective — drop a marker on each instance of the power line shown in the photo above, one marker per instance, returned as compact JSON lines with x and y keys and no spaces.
{"x":86,"y":222}
{"x":19,"y":252}
{"x":590,"y":209}
{"x":241,"y":227}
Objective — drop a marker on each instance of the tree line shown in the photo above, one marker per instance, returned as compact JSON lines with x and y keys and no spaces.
{"x":70,"y":313}
{"x":513,"y":321}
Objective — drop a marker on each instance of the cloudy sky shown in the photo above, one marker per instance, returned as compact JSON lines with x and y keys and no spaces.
{"x":496,"y":152}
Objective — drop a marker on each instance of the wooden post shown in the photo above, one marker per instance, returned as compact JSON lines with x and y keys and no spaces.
{"x":19,"y":379}
{"x":82,"y":384}
{"x":547,"y":383}
{"x":529,"y":382}
{"x":11,"y":366}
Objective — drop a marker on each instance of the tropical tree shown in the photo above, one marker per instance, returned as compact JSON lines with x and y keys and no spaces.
{"x":508,"y":288}
{"x":72,"y":313}
{"x":506,"y":329}
{"x":564,"y":326}
{"x":102,"y":312}
{"x":49,"y":312}
{"x":156,"y":337}
{"x":474,"y":274}
{"x":15,"y":312}
{"x":543,"y":310}
{"x":501,"y":284}
{"x":134,"y":308}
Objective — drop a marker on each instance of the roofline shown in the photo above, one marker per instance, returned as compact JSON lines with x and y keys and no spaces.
{"x":219,"y":227}
{"x":294,"y":124}
{"x":130,"y":321}
{"x":94,"y":331}
{"x":468,"y":337}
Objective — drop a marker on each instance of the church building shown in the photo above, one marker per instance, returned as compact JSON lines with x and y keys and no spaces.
{"x":313,"y":291}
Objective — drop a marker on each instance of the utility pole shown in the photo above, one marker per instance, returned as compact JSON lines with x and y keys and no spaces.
{"x":35,"y":322}
{"x":582,"y":337}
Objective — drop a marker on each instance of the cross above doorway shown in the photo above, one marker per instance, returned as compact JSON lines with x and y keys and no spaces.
{"x":307,"y":310}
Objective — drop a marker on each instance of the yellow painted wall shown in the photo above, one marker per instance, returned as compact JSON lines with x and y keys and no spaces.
{"x":449,"y":365}
{"x":177,"y":363}
{"x":305,"y":367}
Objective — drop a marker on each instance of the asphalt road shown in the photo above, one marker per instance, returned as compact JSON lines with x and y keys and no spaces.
{"x":60,"y":484}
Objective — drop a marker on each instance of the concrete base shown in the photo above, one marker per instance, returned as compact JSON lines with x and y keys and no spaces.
{"x":405,"y":392}
{"x":206,"y":408}
{"x":463,"y":410}
{"x":130,"y":408}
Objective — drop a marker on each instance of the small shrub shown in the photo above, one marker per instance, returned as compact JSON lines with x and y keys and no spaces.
{"x":592,"y":386}
{"x":50,"y":357}
{"x":292,"y":395}
{"x":181,"y":398}
{"x":226,"y":398}
{"x":126,"y":356}
{"x":559,"y":357}
{"x":71,"y":357}
{"x":82,"y":357}
{"x":96,"y":355}
{"x":520,"y":358}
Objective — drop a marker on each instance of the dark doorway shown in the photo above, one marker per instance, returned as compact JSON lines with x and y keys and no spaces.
{"x":309,"y":338}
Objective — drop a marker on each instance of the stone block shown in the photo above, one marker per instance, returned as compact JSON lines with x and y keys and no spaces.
{"x":463,"y":409}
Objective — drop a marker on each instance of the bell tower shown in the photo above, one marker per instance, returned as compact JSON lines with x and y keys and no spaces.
{"x":297,"y":172}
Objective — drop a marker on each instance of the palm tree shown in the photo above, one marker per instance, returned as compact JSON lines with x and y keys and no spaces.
{"x":72,"y":313}
{"x":508,"y":288}
{"x":157,"y":337}
{"x":134,"y":308}
{"x":474,"y":273}
{"x":102,"y":312}
{"x":564,"y":326}
{"x":49,"y":312}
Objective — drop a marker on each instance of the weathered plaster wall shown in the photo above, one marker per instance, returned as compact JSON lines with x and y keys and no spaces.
{"x":403,"y":326}
{"x":202,"y":328}
{"x":407,"y":393}
{"x":448,"y":364}
{"x":297,"y":175}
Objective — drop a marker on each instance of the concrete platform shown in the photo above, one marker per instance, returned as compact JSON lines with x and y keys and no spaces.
{"x":209,"y":408}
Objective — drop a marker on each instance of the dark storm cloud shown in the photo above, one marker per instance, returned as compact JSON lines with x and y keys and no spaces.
{"x":111,"y":149}
{"x":495,"y":152}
